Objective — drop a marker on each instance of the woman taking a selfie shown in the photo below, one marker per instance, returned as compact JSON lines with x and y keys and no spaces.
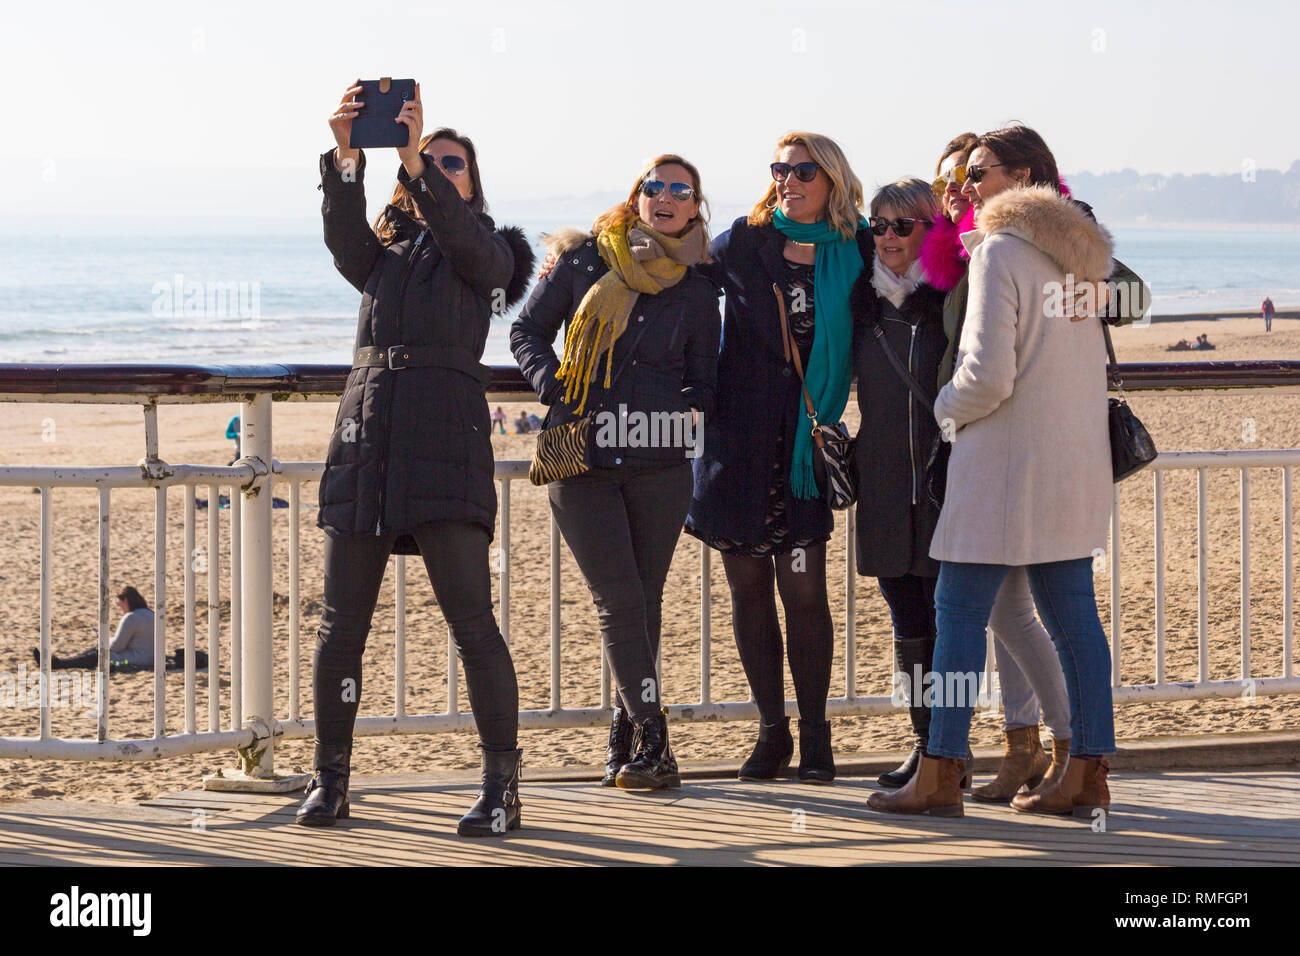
{"x":410,"y":460}
{"x":756,"y":500}
{"x":640,"y":354}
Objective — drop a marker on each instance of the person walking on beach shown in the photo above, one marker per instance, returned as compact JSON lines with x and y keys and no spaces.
{"x":641,"y":346}
{"x":132,"y":646}
{"x":756,"y":500}
{"x":499,"y":419}
{"x":1267,"y":309}
{"x":1029,"y":480}
{"x":410,"y":461}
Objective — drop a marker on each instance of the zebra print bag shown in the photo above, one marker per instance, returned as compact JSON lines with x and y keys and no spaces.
{"x":562,"y":452}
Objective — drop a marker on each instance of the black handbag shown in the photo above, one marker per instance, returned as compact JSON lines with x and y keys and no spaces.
{"x":1131,"y":447}
{"x":936,"y":463}
{"x":834,"y":468}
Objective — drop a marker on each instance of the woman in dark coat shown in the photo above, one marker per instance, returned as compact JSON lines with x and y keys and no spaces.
{"x":755,"y":497}
{"x":898,"y":306}
{"x":646,"y":389}
{"x":410,"y":460}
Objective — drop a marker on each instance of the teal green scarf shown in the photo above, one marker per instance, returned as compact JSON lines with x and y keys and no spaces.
{"x":830,"y":366}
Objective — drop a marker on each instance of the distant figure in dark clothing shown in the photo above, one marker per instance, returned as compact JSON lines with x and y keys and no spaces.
{"x":522,"y":425}
{"x":132,"y":646}
{"x":1202,"y":342}
{"x":1267,"y":309}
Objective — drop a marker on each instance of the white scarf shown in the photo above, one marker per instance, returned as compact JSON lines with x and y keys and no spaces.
{"x":893,"y":287}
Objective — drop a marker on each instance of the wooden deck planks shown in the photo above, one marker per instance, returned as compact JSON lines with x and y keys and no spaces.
{"x":1171,"y":818}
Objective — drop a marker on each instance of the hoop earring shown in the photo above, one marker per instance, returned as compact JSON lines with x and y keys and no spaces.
{"x":771,"y":204}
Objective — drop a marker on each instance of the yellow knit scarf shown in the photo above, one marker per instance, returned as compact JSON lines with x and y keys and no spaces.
{"x":640,"y":259}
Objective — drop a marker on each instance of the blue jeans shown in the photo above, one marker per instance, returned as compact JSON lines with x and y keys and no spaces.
{"x":1066,"y":602}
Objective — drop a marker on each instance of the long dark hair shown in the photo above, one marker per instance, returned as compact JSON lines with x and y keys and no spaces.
{"x":1019,"y":147}
{"x":132,"y":598}
{"x":402,"y":199}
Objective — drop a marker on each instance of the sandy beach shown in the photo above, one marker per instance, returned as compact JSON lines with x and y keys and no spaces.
{"x":104,"y":434}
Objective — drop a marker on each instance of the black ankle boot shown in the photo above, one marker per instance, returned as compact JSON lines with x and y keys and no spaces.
{"x":908,"y":654}
{"x":771,"y":755}
{"x":619,"y":750}
{"x":816,"y":763}
{"x":497,"y":808}
{"x":653,"y":766}
{"x":327,"y":793}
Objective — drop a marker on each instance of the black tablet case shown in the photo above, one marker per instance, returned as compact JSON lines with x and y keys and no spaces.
{"x":373,"y":126}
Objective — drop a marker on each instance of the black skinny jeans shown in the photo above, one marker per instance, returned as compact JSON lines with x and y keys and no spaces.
{"x":911,"y":606}
{"x":622,"y":525}
{"x":456,"y":556}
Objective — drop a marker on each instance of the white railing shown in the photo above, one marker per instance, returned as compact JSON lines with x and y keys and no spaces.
{"x":256,"y":728}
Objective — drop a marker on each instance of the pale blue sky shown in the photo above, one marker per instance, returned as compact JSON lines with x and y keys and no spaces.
{"x":201,"y":109}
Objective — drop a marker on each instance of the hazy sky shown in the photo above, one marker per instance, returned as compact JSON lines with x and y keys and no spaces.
{"x":201,"y":109}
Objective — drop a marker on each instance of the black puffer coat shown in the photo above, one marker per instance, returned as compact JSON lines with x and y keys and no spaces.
{"x":895,"y":518}
{"x":666,"y":360}
{"x":413,"y":445}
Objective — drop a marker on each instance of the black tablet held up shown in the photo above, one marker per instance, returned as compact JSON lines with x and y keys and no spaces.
{"x":373,"y":126}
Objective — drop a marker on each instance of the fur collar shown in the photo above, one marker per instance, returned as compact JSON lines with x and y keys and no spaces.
{"x":1055,"y":225}
{"x":943,"y":258}
{"x":564,"y":240}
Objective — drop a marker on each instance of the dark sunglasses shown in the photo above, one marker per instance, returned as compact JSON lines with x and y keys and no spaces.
{"x":976,"y":173}
{"x":956,"y":175}
{"x":653,"y":189}
{"x":804,"y":172}
{"x":452,"y":164}
{"x":902,"y":227}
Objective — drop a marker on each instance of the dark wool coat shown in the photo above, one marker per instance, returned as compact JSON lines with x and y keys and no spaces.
{"x":412,"y":445}
{"x":758,"y":398}
{"x":895,"y":518}
{"x":665,"y":361}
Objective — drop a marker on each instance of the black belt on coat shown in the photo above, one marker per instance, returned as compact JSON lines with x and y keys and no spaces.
{"x":422,"y":356}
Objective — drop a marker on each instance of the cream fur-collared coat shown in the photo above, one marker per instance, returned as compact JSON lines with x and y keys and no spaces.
{"x":1029,"y":479}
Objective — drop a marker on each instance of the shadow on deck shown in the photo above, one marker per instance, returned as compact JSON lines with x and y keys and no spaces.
{"x":1170,"y":818}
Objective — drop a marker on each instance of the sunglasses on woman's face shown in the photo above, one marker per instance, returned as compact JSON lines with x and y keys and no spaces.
{"x":653,"y":189}
{"x":902,"y":227}
{"x":954,"y":176}
{"x":454,"y":165}
{"x":804,"y":172}
{"x":976,"y":173}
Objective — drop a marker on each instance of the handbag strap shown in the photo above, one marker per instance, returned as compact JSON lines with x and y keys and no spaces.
{"x":792,"y":354}
{"x":908,"y":378}
{"x":1113,"y":365}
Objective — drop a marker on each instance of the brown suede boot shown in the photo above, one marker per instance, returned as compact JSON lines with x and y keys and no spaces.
{"x":1080,"y":790}
{"x":1060,"y":757}
{"x":1023,"y":764}
{"x":934,"y":789}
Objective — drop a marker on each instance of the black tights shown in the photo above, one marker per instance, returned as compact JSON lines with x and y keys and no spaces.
{"x":456,"y":558}
{"x":801,"y":579}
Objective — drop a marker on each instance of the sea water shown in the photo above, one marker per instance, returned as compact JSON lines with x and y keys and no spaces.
{"x":268,"y":297}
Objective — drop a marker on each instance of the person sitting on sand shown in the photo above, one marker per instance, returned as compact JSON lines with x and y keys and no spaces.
{"x":1202,"y":342}
{"x":132,"y":646}
{"x":522,"y":425}
{"x":1182,"y":346}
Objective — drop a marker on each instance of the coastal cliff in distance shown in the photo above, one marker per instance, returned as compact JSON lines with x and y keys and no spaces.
{"x":1252,"y":196}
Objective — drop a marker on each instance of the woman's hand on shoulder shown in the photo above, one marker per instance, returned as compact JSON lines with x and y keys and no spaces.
{"x":547,"y":265}
{"x":340,"y":121}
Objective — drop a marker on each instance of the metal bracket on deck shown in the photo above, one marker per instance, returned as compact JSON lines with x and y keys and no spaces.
{"x":249,"y":777}
{"x":260,"y":472}
{"x":152,"y":468}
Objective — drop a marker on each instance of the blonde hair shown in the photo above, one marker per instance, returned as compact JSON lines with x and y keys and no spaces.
{"x":910,"y":198}
{"x":626,"y":212}
{"x":843,"y":206}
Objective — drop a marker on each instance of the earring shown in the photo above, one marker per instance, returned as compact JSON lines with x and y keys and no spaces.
{"x":771,"y":204}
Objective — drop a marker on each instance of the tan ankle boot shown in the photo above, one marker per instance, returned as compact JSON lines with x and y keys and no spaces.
{"x":934,"y":789}
{"x":1023,"y":764}
{"x":1080,"y":790}
{"x":1060,"y":757}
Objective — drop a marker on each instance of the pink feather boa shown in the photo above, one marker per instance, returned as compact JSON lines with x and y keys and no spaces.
{"x":943,"y":257}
